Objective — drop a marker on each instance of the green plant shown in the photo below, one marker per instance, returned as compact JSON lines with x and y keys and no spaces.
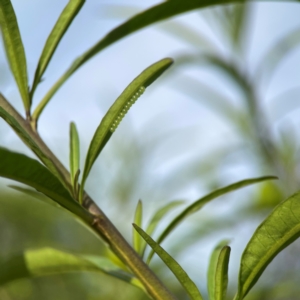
{"x":54,"y":181}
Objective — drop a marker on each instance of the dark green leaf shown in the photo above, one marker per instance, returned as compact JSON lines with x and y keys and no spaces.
{"x":26,"y":170}
{"x":158,"y":215}
{"x":197,"y":205}
{"x":117,"y":111}
{"x":212,"y":269}
{"x":14,"y":49}
{"x":58,"y":31}
{"x":172,"y":264}
{"x":49,"y":261}
{"x":275,"y":233}
{"x":138,"y":218}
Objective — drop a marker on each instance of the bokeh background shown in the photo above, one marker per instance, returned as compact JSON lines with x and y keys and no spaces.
{"x":227,"y":110}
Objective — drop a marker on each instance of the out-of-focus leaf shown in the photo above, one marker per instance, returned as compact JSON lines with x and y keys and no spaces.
{"x":49,"y":261}
{"x":74,"y":153}
{"x":212,"y":268}
{"x":29,"y":171}
{"x":275,"y":233}
{"x":152,"y":15}
{"x":138,"y":219}
{"x":197,"y":205}
{"x":221,"y":276}
{"x":14,"y":49}
{"x":58,"y":31}
{"x":117,"y":111}
{"x":158,"y":215}
{"x":30,"y":138}
{"x":172,"y":264}
{"x":276,"y":54}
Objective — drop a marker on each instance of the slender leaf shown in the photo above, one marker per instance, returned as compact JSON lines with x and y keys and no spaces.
{"x":74,"y":153}
{"x":152,"y":15}
{"x":212,"y":269}
{"x":14,"y":49}
{"x":172,"y":264}
{"x":58,"y":31}
{"x":50,"y":261}
{"x":118,"y":110}
{"x":221,"y":279}
{"x":138,"y":218}
{"x":155,"y":220}
{"x":197,"y":205}
{"x":26,"y":170}
{"x":275,"y":233}
{"x":30,"y":138}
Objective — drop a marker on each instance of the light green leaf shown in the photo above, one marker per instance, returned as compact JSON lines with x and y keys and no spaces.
{"x":138,"y":219}
{"x":197,"y":205}
{"x":74,"y":153}
{"x":64,"y":21}
{"x":31,"y":139}
{"x":152,"y":15}
{"x":117,"y":111}
{"x":221,"y":277}
{"x":172,"y":264}
{"x":50,"y":261}
{"x":158,"y":215}
{"x":212,"y":269}
{"x":14,"y":49}
{"x":26,"y":170}
{"x":275,"y":233}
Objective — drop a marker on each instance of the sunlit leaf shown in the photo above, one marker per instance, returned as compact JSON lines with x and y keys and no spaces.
{"x":152,"y":15}
{"x":30,"y":138}
{"x":212,"y":269}
{"x":275,"y":233}
{"x":14,"y":49}
{"x":197,"y":205}
{"x":50,"y":261}
{"x":138,"y":218}
{"x":155,"y":220}
{"x":74,"y":153}
{"x":26,"y":170}
{"x":172,"y":264}
{"x":117,"y":111}
{"x":58,"y":31}
{"x":221,"y":277}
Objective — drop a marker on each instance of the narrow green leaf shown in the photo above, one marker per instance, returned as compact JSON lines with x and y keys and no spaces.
{"x":152,"y":15}
{"x":14,"y":49}
{"x":155,"y":220}
{"x":172,"y":264}
{"x":138,"y":219}
{"x":31,"y":139}
{"x":58,"y":31}
{"x":275,"y":233}
{"x":26,"y":170}
{"x":197,"y":205}
{"x":212,"y":268}
{"x":74,"y":152}
{"x":117,"y":111}
{"x":50,"y":261}
{"x":221,"y":279}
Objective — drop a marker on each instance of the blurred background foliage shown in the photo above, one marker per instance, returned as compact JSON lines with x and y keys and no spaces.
{"x":227,"y":110}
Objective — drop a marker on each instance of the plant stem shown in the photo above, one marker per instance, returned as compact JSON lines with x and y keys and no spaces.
{"x":101,"y":224}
